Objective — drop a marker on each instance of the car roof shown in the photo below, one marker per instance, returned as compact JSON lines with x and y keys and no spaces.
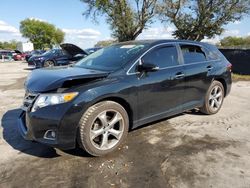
{"x":156,"y":42}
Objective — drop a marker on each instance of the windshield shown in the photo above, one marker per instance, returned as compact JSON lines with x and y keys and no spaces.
{"x":53,"y":51}
{"x":112,"y":57}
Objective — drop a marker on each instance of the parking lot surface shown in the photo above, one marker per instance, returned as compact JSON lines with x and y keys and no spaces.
{"x":188,"y":150}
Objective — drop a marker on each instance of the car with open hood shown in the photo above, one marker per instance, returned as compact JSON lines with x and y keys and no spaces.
{"x":18,"y":55}
{"x":34,"y":53}
{"x":68,"y":53}
{"x":95,"y":102}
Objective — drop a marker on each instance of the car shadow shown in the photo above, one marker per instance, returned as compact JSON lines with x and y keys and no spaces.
{"x":195,"y":112}
{"x":190,"y":112}
{"x":29,"y":68}
{"x":155,"y":122}
{"x":12,"y":136}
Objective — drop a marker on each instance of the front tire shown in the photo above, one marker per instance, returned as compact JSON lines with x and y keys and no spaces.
{"x":213,"y":99}
{"x":49,"y":63}
{"x":103,"y":128}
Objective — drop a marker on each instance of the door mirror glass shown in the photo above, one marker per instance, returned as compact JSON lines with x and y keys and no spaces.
{"x":78,"y":57}
{"x":147,"y":67}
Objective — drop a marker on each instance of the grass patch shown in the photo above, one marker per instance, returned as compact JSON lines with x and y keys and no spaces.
{"x":239,"y":77}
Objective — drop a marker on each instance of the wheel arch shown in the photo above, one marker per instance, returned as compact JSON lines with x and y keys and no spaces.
{"x":53,"y":60}
{"x":223,"y":82}
{"x":124,"y":104}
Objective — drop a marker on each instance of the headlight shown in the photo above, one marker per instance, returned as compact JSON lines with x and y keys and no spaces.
{"x":52,"y":99}
{"x":40,"y":58}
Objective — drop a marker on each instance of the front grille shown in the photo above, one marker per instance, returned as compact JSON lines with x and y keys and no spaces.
{"x":29,"y":99}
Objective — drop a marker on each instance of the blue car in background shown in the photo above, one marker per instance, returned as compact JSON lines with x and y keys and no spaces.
{"x":69,"y":53}
{"x":34,"y":53}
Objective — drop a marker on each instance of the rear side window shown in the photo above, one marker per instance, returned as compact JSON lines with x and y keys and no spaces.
{"x":214,"y":53}
{"x":192,"y":54}
{"x":162,"y":57}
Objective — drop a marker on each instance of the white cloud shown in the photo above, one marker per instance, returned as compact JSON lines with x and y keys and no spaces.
{"x":226,"y":33}
{"x":237,"y":22}
{"x":38,"y":19}
{"x":84,"y":38}
{"x":157,"y":33}
{"x":9,"y":32}
{"x":214,"y":40}
{"x":234,"y":32}
{"x":7,"y":29}
{"x":83,"y":33}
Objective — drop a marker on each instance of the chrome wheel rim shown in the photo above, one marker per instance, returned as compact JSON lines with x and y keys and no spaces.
{"x":215,"y":98}
{"x":48,"y":64}
{"x":107,"y":129}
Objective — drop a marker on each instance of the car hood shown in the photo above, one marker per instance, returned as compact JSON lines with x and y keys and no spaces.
{"x":72,"y":49}
{"x":17,"y":51}
{"x":32,"y":57}
{"x":48,"y":79}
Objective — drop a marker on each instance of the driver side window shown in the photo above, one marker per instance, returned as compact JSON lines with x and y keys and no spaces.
{"x":162,"y":57}
{"x":60,"y":53}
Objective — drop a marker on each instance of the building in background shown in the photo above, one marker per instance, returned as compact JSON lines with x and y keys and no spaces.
{"x":25,"y":46}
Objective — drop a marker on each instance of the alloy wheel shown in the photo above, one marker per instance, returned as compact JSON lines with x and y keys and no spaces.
{"x":107,"y":129}
{"x":49,"y":64}
{"x":215,"y":98}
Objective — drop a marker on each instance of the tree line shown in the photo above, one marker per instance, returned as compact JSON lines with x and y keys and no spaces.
{"x":235,"y":42}
{"x":11,"y":45}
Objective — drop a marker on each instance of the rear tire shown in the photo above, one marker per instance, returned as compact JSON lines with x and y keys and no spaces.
{"x":103,"y":128}
{"x":213,"y":99}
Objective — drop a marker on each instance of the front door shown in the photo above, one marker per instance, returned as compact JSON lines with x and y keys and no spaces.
{"x":160,"y":93}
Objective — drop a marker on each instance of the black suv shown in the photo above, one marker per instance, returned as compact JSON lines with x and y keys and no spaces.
{"x":96,"y":101}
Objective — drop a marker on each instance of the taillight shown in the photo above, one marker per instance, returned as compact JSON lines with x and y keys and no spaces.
{"x":229,"y":67}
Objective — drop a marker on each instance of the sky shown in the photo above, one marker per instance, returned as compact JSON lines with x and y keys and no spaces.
{"x":67,"y":15}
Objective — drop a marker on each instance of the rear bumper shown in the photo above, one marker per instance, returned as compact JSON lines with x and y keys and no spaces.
{"x":228,"y":79}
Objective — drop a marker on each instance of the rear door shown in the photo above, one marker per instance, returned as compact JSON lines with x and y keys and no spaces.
{"x":160,"y":92}
{"x":196,"y":70}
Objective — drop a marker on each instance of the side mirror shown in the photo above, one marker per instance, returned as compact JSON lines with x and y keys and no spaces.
{"x":78,"y":57}
{"x":147,"y":67}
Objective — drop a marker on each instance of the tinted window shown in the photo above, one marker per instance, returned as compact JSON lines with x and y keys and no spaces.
{"x":192,"y":54}
{"x":60,"y":53}
{"x":162,"y":57}
{"x":212,"y":53}
{"x":112,"y":57}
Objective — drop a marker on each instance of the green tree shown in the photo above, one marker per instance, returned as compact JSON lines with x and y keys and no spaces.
{"x":235,"y":42}
{"x":197,"y":19}
{"x":40,"y":33}
{"x":104,"y":43}
{"x":11,"y":45}
{"x":127,"y":18}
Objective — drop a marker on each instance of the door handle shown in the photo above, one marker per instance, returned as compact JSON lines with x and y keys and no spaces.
{"x":179,"y":75}
{"x":209,"y":68}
